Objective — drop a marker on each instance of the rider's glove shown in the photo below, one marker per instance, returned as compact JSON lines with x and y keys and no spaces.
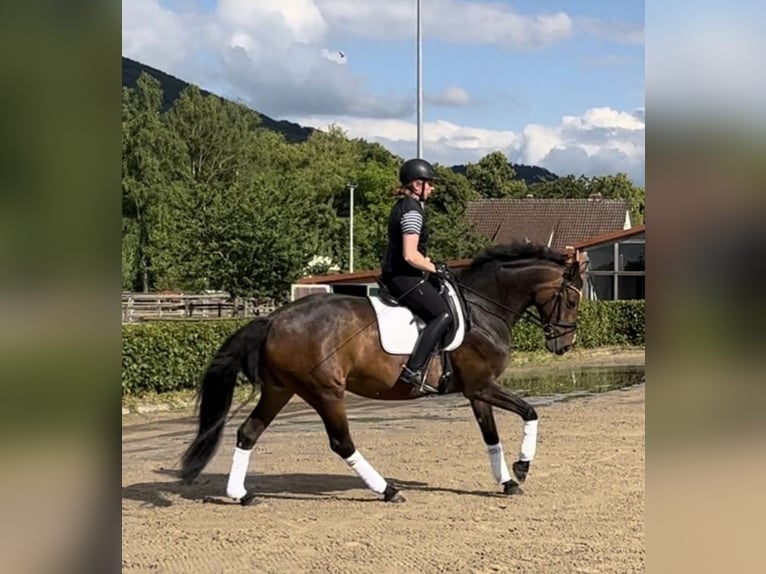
{"x":441,"y":271}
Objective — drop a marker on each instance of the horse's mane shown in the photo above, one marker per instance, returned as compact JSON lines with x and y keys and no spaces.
{"x":516,"y":252}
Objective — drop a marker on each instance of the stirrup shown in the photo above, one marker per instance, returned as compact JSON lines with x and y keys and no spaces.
{"x":417,"y":380}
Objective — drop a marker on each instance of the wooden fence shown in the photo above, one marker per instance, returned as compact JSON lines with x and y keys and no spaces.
{"x":147,"y":306}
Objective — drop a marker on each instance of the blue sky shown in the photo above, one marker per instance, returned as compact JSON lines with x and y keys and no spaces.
{"x":554,"y":83}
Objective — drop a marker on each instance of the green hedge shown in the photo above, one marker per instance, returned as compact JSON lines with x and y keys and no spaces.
{"x":165,"y":356}
{"x":171,"y":355}
{"x":599,"y":324}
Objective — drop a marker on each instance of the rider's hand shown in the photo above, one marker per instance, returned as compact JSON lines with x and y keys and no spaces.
{"x":441,"y":270}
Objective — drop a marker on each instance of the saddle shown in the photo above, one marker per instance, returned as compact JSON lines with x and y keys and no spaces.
{"x":399,"y":328}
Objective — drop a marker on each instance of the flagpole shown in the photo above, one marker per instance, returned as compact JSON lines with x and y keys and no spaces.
{"x":420,"y":85}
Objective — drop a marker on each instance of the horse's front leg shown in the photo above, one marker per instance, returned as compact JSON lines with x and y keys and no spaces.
{"x":482,"y":399}
{"x":483,"y":413}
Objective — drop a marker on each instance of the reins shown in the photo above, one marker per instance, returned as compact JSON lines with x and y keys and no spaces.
{"x":547,"y":325}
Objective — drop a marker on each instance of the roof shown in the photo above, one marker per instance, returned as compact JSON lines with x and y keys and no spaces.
{"x":561,"y":221}
{"x":360,"y":277}
{"x":611,"y":237}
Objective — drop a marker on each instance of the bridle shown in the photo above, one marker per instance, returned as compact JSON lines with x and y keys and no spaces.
{"x":547,"y":324}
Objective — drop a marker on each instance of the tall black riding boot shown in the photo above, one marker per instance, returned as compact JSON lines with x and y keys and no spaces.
{"x":412,"y":373}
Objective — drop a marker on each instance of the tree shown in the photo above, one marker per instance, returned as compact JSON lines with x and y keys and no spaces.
{"x":216,"y":134}
{"x":151,"y":173}
{"x":451,"y":236}
{"x":609,"y":186}
{"x":373,"y":201}
{"x":493,"y":176}
{"x":620,"y":187}
{"x":567,"y":187}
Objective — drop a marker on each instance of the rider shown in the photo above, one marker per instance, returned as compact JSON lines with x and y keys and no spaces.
{"x":406,"y":269}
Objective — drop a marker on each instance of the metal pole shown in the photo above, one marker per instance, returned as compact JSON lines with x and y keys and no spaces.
{"x":351,"y":188}
{"x":420,"y":87}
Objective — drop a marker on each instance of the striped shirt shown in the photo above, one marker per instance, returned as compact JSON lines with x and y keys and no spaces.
{"x":412,"y":222}
{"x":406,"y":218}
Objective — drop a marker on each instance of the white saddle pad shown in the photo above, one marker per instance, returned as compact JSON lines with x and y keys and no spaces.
{"x":399,"y":328}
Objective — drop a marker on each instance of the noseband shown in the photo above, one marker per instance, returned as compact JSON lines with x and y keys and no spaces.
{"x":548,"y":324}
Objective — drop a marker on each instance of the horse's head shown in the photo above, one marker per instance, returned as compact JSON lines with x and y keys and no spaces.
{"x":557,"y":299}
{"x":524,"y":274}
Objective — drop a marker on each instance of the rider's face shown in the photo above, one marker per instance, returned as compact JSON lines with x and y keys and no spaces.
{"x":423,"y":187}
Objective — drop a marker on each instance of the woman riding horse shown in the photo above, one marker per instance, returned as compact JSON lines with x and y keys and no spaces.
{"x":321,"y":346}
{"x":405,"y":267}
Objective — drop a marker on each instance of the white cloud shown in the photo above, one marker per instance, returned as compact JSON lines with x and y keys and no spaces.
{"x":452,"y":20}
{"x":296,"y":20}
{"x":452,"y":96}
{"x":336,"y":56}
{"x":601,"y":141}
{"x":630,"y":33}
{"x":267,"y":54}
{"x":273,"y":55}
{"x":158,"y":35}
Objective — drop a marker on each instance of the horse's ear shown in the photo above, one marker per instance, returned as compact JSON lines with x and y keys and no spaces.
{"x":571,"y":254}
{"x":574,"y":265}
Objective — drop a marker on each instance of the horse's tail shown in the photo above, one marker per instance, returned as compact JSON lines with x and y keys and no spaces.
{"x":239,"y":352}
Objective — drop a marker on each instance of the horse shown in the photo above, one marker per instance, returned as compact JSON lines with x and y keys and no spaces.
{"x":322,"y":346}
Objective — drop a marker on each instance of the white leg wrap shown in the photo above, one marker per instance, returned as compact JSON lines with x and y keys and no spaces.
{"x":497,"y":462}
{"x":529,"y":442}
{"x":365,"y":471}
{"x":239,"y":465}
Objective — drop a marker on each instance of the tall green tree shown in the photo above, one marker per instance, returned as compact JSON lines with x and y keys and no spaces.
{"x":217,"y":134}
{"x":619,"y":186}
{"x":581,"y":187}
{"x":567,"y":187}
{"x":151,"y":173}
{"x":247,"y":240}
{"x":373,"y":200}
{"x":493,"y":176}
{"x":452,"y":237}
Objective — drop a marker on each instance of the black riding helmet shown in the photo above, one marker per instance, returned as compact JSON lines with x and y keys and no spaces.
{"x":413,"y":169}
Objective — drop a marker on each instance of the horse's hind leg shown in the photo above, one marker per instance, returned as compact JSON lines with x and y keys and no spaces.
{"x":486,"y":419}
{"x":333,"y":414}
{"x":271,"y":401}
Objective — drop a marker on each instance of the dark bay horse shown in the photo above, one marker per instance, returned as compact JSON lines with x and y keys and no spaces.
{"x":321,"y":346}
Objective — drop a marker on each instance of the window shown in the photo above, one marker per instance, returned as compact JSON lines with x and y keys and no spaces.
{"x":631,"y":286}
{"x":618,"y":270}
{"x":602,"y":287}
{"x":601,"y":258}
{"x":632,"y":257}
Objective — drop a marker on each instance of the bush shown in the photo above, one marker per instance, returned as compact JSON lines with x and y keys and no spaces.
{"x":172,"y":355}
{"x":599,"y":324}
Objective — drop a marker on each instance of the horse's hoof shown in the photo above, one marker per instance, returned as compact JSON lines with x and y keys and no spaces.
{"x":391,"y":494}
{"x":512,"y":487}
{"x":521,"y":469}
{"x":248,"y":499}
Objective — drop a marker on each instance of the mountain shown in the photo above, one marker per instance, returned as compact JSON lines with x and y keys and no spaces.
{"x":292,"y":132}
{"x":529,"y":173}
{"x":172,"y":88}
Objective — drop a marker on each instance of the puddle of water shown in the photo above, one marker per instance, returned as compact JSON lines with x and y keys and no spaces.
{"x":575,"y":382}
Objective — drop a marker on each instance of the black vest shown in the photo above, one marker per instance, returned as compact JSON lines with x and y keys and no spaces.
{"x":393,"y":262}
